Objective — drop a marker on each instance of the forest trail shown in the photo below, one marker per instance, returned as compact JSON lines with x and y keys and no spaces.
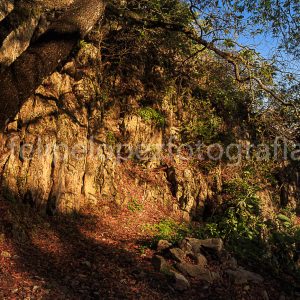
{"x":98,"y":254}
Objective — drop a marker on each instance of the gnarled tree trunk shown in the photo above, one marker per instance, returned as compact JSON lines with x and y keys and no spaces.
{"x":41,"y":59}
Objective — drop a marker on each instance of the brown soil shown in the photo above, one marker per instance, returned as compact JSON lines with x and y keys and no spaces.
{"x":97,"y":254}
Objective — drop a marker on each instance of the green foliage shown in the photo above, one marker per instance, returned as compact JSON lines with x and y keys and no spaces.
{"x":229,"y":101}
{"x":242,"y":213}
{"x":205,"y":128}
{"x":169,"y":230}
{"x":151,"y":115}
{"x":167,"y":10}
{"x":279,"y":18}
{"x":240,"y":216}
{"x":285,"y":219}
{"x":248,"y":54}
{"x":271,"y":243}
{"x":282,"y":244}
{"x":83,"y":44}
{"x":228,"y":43}
{"x":111,"y":138}
{"x":142,"y":249}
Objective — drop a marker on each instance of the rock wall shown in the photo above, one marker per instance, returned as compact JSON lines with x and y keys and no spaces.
{"x":74,"y":143}
{"x":68,"y":148}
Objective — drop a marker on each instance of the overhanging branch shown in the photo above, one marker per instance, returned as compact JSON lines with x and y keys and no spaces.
{"x":234,"y":59}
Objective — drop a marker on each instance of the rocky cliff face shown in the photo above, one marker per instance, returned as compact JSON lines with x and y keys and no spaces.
{"x":74,"y":143}
{"x":67,"y":148}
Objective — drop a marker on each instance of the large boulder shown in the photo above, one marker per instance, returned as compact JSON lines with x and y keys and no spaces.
{"x":161,"y":265}
{"x":163,"y":245}
{"x":201,"y":260}
{"x":177,"y":254}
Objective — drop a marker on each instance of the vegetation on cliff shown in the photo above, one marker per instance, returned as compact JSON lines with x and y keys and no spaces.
{"x":159,"y":114}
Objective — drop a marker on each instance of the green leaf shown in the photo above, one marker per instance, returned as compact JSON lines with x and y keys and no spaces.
{"x":283,"y":218}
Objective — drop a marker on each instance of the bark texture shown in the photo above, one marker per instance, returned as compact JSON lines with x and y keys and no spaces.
{"x":20,"y":80}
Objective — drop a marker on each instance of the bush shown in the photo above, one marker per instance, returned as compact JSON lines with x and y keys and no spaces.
{"x":151,"y":115}
{"x":270,"y":243}
{"x":240,"y":216}
{"x":206,"y":128}
{"x":169,"y":230}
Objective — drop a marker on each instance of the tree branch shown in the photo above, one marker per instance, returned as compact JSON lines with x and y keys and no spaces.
{"x":234,"y":59}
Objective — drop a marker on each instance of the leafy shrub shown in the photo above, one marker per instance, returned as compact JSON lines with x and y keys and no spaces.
{"x":206,"y":128}
{"x":271,"y":243}
{"x":169,"y":230}
{"x":283,"y":247}
{"x":240,"y":217}
{"x":83,"y":44}
{"x":151,"y":115}
{"x":111,"y":138}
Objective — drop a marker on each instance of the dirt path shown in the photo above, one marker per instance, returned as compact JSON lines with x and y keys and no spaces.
{"x":94,"y":255}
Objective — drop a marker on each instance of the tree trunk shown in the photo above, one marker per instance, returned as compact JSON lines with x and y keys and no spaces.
{"x":41,"y":59}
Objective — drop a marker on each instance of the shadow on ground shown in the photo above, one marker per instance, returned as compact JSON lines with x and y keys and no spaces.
{"x":60,"y":257}
{"x":86,"y":256}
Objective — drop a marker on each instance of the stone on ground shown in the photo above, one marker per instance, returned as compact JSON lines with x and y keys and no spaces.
{"x":177,"y":254}
{"x":195,"y":271}
{"x":201,"y":260}
{"x":180,"y":282}
{"x":163,"y":245}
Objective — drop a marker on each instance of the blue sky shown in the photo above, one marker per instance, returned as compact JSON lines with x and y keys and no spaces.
{"x":267,"y":46}
{"x":264,"y":43}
